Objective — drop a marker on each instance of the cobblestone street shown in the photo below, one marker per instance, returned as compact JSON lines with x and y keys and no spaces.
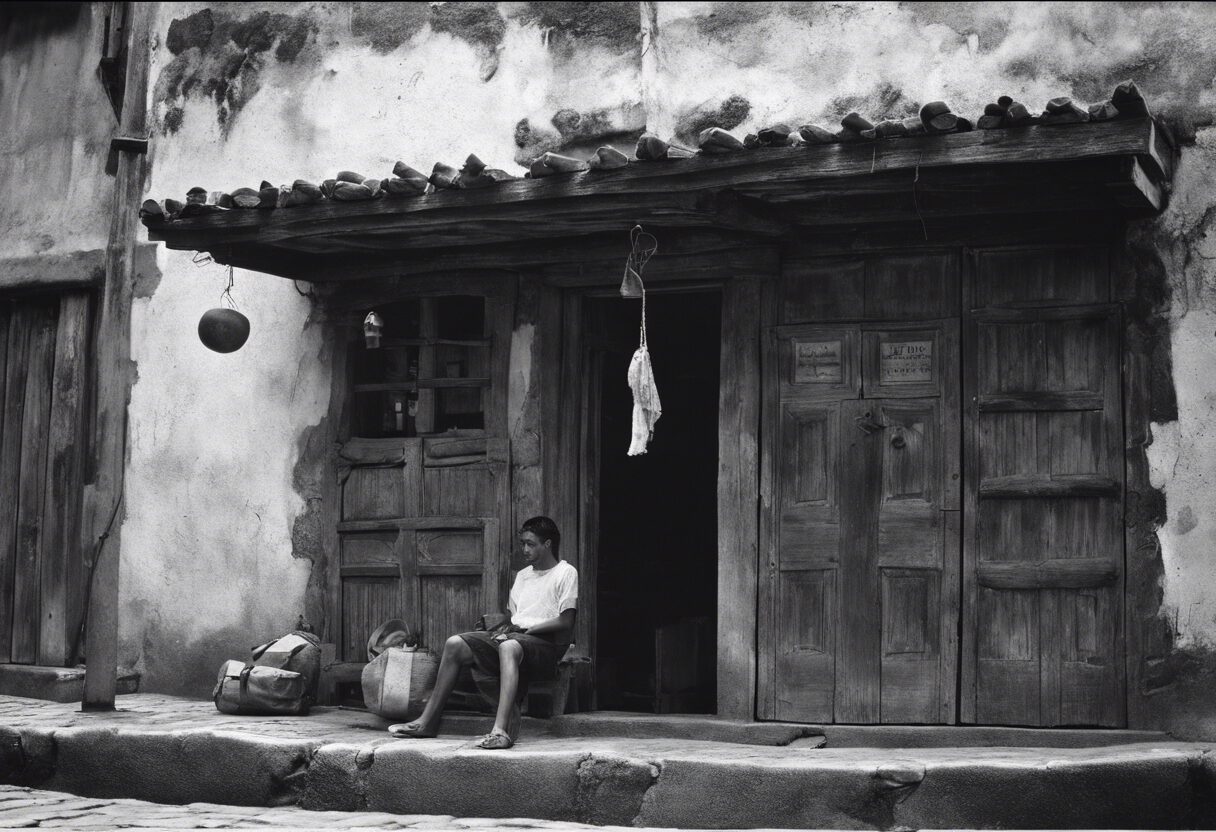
{"x":22,"y":808}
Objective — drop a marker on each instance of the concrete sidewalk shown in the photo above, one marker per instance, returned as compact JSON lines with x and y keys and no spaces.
{"x":182,"y":751}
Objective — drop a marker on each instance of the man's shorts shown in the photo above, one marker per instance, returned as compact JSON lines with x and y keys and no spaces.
{"x":539,"y":662}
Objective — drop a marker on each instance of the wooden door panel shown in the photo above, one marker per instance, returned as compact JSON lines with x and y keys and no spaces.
{"x":1044,"y":561}
{"x":1087,"y":654}
{"x":910,"y":286}
{"x":450,"y":604}
{"x":62,"y":569}
{"x":806,"y":645}
{"x":819,"y":363}
{"x":374,"y":493}
{"x":367,"y":602}
{"x":465,"y":491}
{"x":1008,"y":657}
{"x":810,"y":515}
{"x":32,"y":481}
{"x":10,"y":467}
{"x":440,"y":548}
{"x":911,"y":644}
{"x":815,"y":289}
{"x":1011,"y":277}
{"x":372,"y":548}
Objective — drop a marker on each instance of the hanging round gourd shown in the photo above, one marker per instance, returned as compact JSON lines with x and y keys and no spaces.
{"x":224,"y":329}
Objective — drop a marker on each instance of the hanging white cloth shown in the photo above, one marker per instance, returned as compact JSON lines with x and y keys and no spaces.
{"x":646,"y":406}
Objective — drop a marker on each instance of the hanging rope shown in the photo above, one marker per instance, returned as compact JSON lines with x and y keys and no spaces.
{"x":226,"y":298}
{"x":646,"y":405}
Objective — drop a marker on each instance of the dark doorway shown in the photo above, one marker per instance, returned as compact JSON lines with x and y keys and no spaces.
{"x":657,"y":520}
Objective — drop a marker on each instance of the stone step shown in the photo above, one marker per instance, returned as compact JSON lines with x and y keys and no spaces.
{"x":179,"y":752}
{"x":56,"y":684}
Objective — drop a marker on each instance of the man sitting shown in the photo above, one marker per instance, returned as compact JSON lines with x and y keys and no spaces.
{"x":542,"y":607}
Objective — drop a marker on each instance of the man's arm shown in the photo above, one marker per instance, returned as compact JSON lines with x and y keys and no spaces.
{"x":563,"y":623}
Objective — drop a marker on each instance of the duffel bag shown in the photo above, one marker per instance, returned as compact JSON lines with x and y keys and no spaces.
{"x":398,"y":682}
{"x":299,"y":652}
{"x":249,"y":690}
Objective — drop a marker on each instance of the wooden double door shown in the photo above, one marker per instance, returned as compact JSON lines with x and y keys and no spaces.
{"x":931,"y":560}
{"x":860,"y":606}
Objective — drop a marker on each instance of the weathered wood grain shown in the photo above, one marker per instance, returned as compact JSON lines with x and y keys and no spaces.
{"x":1050,"y":401}
{"x":738,"y":498}
{"x":1057,"y":485}
{"x":858,"y":661}
{"x":1044,"y":565}
{"x":412,"y":523}
{"x":1067,"y":573}
{"x":32,"y":481}
{"x":17,"y":350}
{"x":770,"y":506}
{"x":62,"y":559}
{"x":114,"y":373}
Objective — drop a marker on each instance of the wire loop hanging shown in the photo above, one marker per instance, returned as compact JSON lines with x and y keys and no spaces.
{"x":226,"y":299}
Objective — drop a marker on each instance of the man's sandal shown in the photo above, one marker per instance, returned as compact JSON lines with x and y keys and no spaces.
{"x":411,"y":730}
{"x":496,"y":742}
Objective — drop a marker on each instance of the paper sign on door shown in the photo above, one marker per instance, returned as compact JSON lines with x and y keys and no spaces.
{"x":817,"y":362}
{"x":905,"y":362}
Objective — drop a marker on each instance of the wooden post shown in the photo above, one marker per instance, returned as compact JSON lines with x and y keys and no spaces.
{"x":738,"y":498}
{"x":114,"y":378}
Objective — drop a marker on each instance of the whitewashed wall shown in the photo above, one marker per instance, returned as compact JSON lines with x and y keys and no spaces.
{"x":286,"y":90}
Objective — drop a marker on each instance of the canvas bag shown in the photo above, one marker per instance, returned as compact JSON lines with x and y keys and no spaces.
{"x":299,"y":652}
{"x":398,"y":682}
{"x":248,"y":689}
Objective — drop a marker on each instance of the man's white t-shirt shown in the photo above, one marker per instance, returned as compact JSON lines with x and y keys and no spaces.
{"x":538,"y":596}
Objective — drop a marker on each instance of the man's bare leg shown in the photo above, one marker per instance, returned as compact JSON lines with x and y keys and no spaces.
{"x":510,"y":654}
{"x":457,"y":655}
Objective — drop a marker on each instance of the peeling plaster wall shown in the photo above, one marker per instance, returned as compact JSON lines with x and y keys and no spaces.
{"x":57,"y":124}
{"x":221,"y":485}
{"x":1183,"y":455}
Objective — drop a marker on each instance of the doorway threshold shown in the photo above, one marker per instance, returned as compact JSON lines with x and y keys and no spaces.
{"x":706,"y":727}
{"x":703,"y":727}
{"x":978,"y":736}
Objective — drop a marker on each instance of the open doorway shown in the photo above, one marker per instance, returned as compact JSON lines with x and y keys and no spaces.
{"x":657,"y":540}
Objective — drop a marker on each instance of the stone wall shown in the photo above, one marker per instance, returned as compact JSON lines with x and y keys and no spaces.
{"x":213,"y":552}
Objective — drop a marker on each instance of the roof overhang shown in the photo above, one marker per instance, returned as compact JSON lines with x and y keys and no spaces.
{"x":1117,"y":167}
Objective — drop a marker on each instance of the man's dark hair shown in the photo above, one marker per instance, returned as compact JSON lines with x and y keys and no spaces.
{"x":545,"y":529}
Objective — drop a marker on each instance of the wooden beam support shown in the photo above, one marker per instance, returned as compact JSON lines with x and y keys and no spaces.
{"x":1057,"y":573}
{"x":114,"y":379}
{"x":712,"y":266}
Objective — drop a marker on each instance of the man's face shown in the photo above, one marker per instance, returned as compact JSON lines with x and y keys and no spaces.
{"x":533,"y":547}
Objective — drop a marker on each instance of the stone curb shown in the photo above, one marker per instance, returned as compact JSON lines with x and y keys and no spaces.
{"x":630,"y":782}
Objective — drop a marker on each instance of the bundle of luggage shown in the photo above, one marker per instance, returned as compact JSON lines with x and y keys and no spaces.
{"x":280,"y":678}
